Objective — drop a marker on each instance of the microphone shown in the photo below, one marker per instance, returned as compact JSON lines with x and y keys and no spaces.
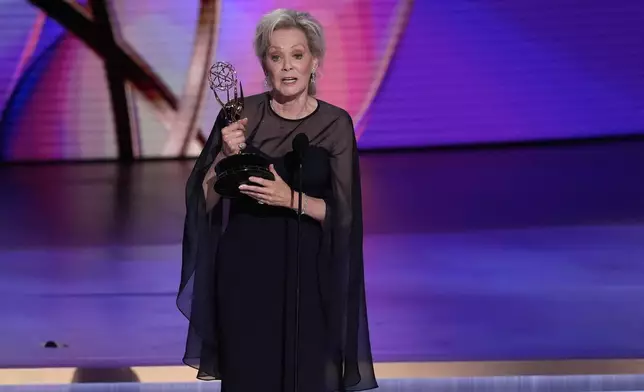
{"x":300,"y":145}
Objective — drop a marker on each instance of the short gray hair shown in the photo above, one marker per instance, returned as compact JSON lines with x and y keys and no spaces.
{"x":283,"y":18}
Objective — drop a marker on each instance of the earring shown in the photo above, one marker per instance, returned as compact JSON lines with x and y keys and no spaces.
{"x":313,"y":77}
{"x":267,"y":84}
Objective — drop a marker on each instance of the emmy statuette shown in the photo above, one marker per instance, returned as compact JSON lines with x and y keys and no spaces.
{"x":234,"y":170}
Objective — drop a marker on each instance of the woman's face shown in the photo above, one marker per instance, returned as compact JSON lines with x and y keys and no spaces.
{"x":289,"y":62}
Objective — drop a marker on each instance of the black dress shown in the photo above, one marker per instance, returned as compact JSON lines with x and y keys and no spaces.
{"x":238,"y":272}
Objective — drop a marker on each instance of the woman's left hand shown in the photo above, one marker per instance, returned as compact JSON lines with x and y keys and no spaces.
{"x":275,"y":193}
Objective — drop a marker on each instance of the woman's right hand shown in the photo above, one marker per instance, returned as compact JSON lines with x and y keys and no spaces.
{"x":234,"y":137}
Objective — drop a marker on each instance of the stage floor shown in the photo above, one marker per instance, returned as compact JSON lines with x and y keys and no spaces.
{"x":509,"y":254}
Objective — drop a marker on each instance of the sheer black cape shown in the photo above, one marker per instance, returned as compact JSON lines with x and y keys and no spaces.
{"x":344,"y":291}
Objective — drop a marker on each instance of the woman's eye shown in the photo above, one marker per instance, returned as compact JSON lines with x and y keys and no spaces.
{"x":275,"y":58}
{"x":299,"y":56}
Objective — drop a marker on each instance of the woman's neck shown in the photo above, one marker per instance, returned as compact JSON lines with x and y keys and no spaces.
{"x":296,"y":108}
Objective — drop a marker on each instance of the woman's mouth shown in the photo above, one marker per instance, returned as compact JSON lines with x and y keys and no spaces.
{"x":289,"y":80}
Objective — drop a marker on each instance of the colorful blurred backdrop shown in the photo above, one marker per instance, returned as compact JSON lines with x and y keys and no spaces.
{"x":102,"y":79}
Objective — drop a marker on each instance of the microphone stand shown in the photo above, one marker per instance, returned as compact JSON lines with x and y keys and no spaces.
{"x":297,"y":275}
{"x":300,"y":144}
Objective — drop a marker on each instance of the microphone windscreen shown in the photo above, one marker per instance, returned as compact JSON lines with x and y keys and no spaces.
{"x":300,"y":143}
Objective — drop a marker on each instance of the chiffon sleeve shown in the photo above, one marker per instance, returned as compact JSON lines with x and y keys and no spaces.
{"x":343,"y":230}
{"x":201,"y":234}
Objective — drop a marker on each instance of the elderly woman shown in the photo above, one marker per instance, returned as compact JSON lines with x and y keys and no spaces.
{"x":239,"y":255}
